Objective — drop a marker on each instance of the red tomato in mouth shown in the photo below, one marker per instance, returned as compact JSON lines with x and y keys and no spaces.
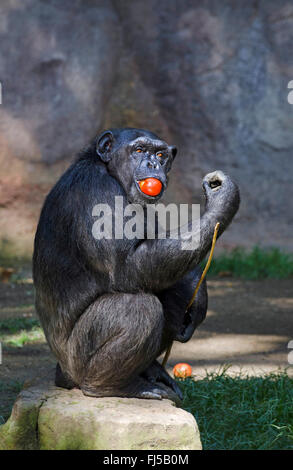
{"x":182,"y":370}
{"x":150,"y":186}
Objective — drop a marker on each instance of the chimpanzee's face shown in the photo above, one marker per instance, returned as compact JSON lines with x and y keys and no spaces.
{"x":139,"y":160}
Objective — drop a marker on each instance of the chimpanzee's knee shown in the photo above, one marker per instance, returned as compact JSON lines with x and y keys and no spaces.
{"x":115,"y":340}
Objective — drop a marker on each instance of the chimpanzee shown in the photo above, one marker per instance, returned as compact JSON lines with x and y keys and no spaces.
{"x":110,"y":307}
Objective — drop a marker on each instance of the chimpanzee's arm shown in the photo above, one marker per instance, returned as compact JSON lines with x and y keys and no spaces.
{"x":157,"y":264}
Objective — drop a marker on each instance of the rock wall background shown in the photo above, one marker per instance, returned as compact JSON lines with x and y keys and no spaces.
{"x":210,"y":77}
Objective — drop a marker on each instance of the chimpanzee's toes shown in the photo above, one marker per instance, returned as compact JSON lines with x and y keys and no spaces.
{"x":151,"y":390}
{"x":158,"y":392}
{"x":171,"y":383}
{"x":156,"y":373}
{"x":152,"y":394}
{"x":170,"y":394}
{"x":174,"y":386}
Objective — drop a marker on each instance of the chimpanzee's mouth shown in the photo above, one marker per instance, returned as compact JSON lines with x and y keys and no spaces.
{"x":150,"y":187}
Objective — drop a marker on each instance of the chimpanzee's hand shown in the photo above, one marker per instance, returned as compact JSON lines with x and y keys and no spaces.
{"x":221,"y":192}
{"x":187,"y":329}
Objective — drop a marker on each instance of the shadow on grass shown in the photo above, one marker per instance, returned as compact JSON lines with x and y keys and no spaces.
{"x":242,"y":412}
{"x":8,"y":391}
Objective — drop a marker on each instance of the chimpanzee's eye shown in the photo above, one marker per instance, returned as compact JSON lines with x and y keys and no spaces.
{"x":161,"y":156}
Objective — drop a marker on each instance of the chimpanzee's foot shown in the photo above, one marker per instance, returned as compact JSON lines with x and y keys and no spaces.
{"x":155,"y":391}
{"x":161,"y":391}
{"x":62,"y":380}
{"x":156,"y":374}
{"x":139,"y":388}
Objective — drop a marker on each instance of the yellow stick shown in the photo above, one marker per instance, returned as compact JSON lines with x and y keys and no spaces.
{"x":216,"y":229}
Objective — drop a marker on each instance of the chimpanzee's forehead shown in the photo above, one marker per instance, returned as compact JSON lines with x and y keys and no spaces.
{"x":129,"y":135}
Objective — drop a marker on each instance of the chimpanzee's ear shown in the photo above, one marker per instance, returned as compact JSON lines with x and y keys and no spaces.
{"x":104,"y":145}
{"x":173,"y":151}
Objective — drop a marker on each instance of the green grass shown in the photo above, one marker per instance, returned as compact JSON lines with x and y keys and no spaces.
{"x":242,"y":412}
{"x":14,"y":325}
{"x":18,"y":340}
{"x":20,"y":331}
{"x":256,"y":264}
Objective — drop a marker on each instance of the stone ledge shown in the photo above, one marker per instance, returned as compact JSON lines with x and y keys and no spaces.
{"x":48,"y":417}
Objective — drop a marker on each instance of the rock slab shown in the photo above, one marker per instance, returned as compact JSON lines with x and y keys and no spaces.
{"x":50,"y":418}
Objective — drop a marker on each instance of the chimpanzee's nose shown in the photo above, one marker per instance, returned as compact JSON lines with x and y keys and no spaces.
{"x":153,"y":163}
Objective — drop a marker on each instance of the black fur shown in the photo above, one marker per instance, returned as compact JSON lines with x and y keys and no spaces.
{"x":109,"y":308}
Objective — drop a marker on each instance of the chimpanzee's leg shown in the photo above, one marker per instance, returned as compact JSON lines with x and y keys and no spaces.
{"x":113,"y":342}
{"x":180,"y":326}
